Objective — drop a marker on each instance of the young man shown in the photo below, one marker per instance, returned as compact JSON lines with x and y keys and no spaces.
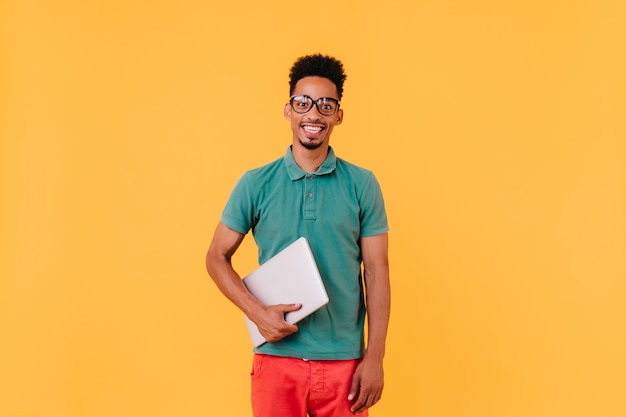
{"x":319,"y":367}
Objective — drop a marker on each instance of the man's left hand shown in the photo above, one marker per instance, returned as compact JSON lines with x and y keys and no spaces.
{"x":367,"y":384}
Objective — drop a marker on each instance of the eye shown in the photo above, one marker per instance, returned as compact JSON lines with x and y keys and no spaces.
{"x":301,"y":101}
{"x":327,"y":106}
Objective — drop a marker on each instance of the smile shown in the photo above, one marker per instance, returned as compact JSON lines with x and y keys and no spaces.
{"x":312,"y":129}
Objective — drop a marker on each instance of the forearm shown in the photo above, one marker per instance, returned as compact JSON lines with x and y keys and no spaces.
{"x":230,"y":284}
{"x":270,"y":320}
{"x":378,"y":310}
{"x":368,"y":379}
{"x":378,"y":293}
{"x":219,"y":266}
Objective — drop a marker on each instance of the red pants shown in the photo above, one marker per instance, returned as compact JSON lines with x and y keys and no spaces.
{"x":291,"y":387}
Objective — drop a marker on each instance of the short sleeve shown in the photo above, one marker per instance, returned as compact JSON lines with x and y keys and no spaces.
{"x":372,"y":208}
{"x":238,"y":214}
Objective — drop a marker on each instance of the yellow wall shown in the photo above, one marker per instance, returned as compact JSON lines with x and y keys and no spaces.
{"x":496,"y":129}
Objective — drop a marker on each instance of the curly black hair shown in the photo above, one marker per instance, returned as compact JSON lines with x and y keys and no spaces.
{"x":317,"y":65}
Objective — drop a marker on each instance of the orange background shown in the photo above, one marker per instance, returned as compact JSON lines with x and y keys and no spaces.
{"x":496,"y":130}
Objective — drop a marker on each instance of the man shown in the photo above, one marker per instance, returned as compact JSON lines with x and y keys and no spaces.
{"x":320,"y":366}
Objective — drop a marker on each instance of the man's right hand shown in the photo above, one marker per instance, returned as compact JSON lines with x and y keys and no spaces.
{"x":271,"y":321}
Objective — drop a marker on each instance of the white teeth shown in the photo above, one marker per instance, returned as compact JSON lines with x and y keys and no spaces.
{"x":312,"y":129}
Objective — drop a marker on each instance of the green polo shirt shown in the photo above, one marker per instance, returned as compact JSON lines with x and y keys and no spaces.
{"x":333,"y":208}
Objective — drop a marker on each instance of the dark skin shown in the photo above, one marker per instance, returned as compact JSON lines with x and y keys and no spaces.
{"x":310,"y":144}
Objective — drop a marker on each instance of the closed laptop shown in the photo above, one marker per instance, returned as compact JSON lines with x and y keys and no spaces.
{"x":289,"y":277}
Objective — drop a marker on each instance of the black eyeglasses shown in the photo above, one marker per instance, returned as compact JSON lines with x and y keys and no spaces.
{"x":325,"y":105}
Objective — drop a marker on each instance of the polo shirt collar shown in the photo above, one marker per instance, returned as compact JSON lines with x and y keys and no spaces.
{"x":296,"y":173}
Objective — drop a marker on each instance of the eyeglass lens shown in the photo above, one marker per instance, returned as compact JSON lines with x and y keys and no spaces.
{"x":325,"y":105}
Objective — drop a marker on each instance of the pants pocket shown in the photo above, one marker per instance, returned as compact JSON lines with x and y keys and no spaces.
{"x":257,"y":364}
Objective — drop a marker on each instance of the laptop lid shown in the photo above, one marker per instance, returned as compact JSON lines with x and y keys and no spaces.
{"x":289,"y":277}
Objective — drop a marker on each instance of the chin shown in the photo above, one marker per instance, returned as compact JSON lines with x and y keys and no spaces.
{"x":311,"y":145}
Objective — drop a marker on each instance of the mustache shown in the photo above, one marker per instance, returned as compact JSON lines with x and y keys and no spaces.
{"x":321,"y":122}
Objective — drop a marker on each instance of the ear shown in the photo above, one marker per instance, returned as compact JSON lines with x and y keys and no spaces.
{"x":287,"y":111}
{"x":339,"y":117}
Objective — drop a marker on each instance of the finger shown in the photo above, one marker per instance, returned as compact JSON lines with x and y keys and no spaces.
{"x":289,"y":307}
{"x":354,"y":388}
{"x":279,"y":333}
{"x":366,"y":400}
{"x":291,"y":328}
{"x":372,"y":399}
{"x":360,"y":404}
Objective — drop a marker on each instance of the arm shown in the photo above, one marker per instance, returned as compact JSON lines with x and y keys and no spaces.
{"x":269,"y":319}
{"x":368,"y":379}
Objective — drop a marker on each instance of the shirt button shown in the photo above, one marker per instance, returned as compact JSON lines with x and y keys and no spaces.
{"x":310,"y":177}
{"x":310,"y":195}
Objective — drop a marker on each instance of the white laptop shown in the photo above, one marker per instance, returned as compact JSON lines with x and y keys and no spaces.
{"x":289,"y":277}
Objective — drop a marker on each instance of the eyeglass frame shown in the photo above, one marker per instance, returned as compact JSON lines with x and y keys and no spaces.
{"x":314,"y":102}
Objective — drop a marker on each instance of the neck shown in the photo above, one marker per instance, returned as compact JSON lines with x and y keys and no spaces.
{"x":309,"y":160}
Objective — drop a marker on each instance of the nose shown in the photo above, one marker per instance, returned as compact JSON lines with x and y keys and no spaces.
{"x":317,"y":110}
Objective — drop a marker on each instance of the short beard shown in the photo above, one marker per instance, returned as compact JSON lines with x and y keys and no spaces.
{"x":311,"y":145}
